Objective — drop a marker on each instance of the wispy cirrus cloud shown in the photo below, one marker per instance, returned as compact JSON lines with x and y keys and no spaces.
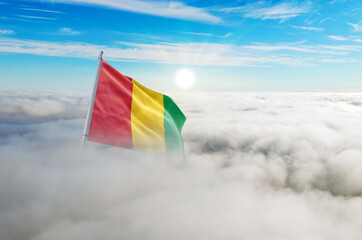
{"x":68,"y":31}
{"x":357,"y":26}
{"x":196,"y":53}
{"x":227,"y":35}
{"x":283,"y":47}
{"x":263,"y":10}
{"x":213,"y":54}
{"x":209,"y":34}
{"x":336,"y":60}
{"x":41,"y":10}
{"x":349,"y":38}
{"x":199,"y":34}
{"x":337,"y":1}
{"x":326,"y":50}
{"x":338,"y":38}
{"x":308,"y":28}
{"x":173,"y":9}
{"x":6,"y":32}
{"x":327,"y":19}
{"x":35,"y":17}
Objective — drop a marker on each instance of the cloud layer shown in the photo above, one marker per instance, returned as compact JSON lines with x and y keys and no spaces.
{"x":261,"y":166}
{"x":197,"y":53}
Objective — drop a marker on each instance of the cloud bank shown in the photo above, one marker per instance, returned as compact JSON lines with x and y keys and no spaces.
{"x":196,"y":53}
{"x":261,"y":166}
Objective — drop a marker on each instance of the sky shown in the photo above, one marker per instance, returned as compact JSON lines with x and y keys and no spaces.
{"x":227,"y":45}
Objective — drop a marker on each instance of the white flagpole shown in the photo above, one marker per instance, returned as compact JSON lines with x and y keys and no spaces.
{"x":91,"y":104}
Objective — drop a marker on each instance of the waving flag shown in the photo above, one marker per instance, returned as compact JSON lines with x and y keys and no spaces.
{"x":129,"y":115}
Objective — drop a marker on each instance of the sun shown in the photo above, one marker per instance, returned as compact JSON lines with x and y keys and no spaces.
{"x":185,"y":78}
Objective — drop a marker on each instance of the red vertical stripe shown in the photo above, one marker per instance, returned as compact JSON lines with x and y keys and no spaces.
{"x":111,"y":118}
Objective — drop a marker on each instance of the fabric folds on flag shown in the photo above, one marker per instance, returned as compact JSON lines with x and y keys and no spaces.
{"x":129,"y":115}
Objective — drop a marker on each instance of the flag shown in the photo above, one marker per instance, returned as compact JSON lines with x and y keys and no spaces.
{"x":129,"y":115}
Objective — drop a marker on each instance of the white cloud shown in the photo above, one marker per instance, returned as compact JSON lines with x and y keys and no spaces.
{"x":68,"y":31}
{"x":337,"y":60}
{"x":280,"y":47}
{"x":308,"y":28}
{"x":342,"y":38}
{"x":357,"y":27}
{"x":359,"y":40}
{"x":209,"y":34}
{"x":343,"y":48}
{"x":262,"y":10}
{"x":326,"y":19}
{"x":310,"y":49}
{"x":338,"y":1}
{"x":227,"y":35}
{"x":261,"y":165}
{"x":197,"y":53}
{"x":172,"y":9}
{"x":6,"y":32}
{"x":41,"y":10}
{"x":199,"y":34}
{"x":35,"y":17}
{"x":172,"y":53}
{"x":338,"y":38}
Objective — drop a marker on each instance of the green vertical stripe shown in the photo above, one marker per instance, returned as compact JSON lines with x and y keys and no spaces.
{"x":174,"y":120}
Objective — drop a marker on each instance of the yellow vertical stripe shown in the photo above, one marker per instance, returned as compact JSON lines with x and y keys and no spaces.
{"x":147,"y":116}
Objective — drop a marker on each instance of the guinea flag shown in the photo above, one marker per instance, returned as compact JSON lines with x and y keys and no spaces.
{"x":129,"y":115}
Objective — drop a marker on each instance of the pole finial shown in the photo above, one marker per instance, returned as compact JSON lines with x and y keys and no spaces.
{"x":100,"y":54}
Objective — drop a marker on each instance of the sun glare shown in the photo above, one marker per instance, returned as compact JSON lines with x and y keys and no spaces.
{"x":185,"y":78}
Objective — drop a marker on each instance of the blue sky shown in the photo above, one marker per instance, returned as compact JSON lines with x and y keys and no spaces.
{"x":229,"y":45}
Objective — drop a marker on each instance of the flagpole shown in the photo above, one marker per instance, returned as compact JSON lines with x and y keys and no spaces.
{"x":91,"y":104}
